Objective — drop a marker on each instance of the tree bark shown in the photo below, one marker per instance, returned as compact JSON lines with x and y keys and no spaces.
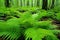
{"x":52,"y":5}
{"x":38,"y":2}
{"x":44,"y":6}
{"x":7,"y":4}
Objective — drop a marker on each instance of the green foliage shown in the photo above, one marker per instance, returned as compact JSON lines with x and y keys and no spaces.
{"x":29,"y":24}
{"x":9,"y":30}
{"x":25,"y":17}
{"x":46,"y":25}
{"x":56,"y":9}
{"x":39,"y":34}
{"x":43,"y":14}
{"x":57,"y":16}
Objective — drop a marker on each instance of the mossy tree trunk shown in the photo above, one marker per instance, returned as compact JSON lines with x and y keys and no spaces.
{"x":14,"y":3}
{"x":2,"y":3}
{"x":52,"y":5}
{"x":30,"y":3}
{"x":49,"y":4}
{"x":57,"y":3}
{"x":26,"y":1}
{"x":23,"y":3}
{"x":38,"y":1}
{"x":33,"y":4}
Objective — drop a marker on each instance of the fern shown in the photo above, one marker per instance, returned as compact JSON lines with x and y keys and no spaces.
{"x":57,"y":16}
{"x":10,"y":30}
{"x":28,"y":24}
{"x":39,"y":34}
{"x":46,"y":25}
{"x":40,"y":14}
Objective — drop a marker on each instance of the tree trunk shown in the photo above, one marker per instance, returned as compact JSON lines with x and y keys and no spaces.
{"x":44,"y":6}
{"x":7,"y":4}
{"x":38,"y":2}
{"x":52,"y":5}
{"x":2,"y":3}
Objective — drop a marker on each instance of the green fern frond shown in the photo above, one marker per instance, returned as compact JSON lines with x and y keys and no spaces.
{"x":39,"y":34}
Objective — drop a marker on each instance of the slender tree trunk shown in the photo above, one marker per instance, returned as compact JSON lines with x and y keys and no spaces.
{"x":52,"y":5}
{"x":38,"y":2}
{"x":44,"y":6}
{"x":30,"y":3}
{"x":2,"y":3}
{"x":7,"y":4}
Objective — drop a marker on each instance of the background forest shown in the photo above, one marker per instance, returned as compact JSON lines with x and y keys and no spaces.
{"x":29,"y":19}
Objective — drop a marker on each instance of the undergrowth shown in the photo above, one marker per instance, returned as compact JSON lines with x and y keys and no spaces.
{"x":32,"y":23}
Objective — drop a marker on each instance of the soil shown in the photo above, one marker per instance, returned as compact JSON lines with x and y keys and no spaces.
{"x":56,"y":23}
{"x":1,"y":39}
